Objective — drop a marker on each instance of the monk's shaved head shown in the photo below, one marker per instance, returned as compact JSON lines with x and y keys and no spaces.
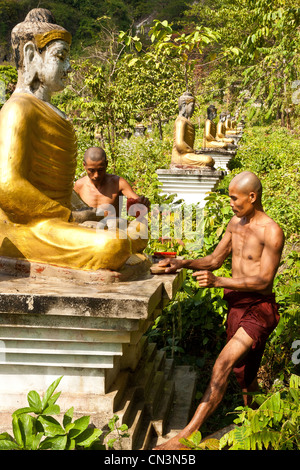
{"x":95,"y":154}
{"x":247,"y":182}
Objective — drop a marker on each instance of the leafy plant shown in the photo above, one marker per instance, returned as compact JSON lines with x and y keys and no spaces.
{"x":35,"y":428}
{"x":195,"y":442}
{"x":275,"y":425}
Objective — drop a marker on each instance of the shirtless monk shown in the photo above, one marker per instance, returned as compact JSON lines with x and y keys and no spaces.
{"x":99,"y":188}
{"x":255,"y":242}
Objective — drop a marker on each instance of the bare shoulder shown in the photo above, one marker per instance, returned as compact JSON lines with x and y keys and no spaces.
{"x":273,"y":232}
{"x":123,"y":184}
{"x":233,"y":223}
{"x":80,"y":182}
{"x":112,"y":180}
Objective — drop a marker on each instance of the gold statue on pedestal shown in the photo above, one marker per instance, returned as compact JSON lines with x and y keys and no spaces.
{"x":230,"y":124}
{"x":221,"y":130}
{"x":183,"y":153}
{"x":38,"y":151}
{"x":210,"y":139}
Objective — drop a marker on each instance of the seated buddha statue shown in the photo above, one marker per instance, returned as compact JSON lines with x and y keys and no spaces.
{"x":210,"y":139}
{"x":183,"y":153}
{"x":230,"y":125}
{"x":38,"y":152}
{"x":221,"y":130}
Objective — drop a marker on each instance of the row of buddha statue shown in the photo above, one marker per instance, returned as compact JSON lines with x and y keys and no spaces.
{"x":217,"y":137}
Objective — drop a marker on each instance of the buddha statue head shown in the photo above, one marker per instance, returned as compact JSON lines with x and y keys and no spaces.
{"x":41,"y":51}
{"x":222,"y":117}
{"x":211,"y":112}
{"x":186,"y":104}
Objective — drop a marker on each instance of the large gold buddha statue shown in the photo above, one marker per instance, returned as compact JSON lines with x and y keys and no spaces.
{"x":38,"y":160}
{"x":221,"y":130}
{"x":210,"y":139}
{"x":183,"y":153}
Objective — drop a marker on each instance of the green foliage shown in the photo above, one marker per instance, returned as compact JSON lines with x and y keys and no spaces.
{"x":195,"y":442}
{"x":196,"y":317}
{"x":8,"y":80}
{"x":35,"y":428}
{"x":275,"y":425}
{"x":273,"y":154}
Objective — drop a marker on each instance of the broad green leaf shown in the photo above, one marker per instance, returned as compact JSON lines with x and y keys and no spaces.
{"x":8,"y":445}
{"x":51,"y":426}
{"x":17,"y":431}
{"x":27,"y":428}
{"x":54,"y":443}
{"x":36,"y":440}
{"x":86,"y":438}
{"x":68,"y":416}
{"x":50,"y":391}
{"x":20,"y":411}
{"x":196,"y":437}
{"x":6,"y":436}
{"x":138,"y":46}
{"x":34,"y":401}
{"x":80,"y":425}
{"x":54,"y":398}
{"x":52,"y":410}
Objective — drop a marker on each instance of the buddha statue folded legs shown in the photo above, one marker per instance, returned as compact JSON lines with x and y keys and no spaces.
{"x":38,"y":152}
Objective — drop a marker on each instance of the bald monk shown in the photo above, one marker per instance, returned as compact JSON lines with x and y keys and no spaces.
{"x":255,"y":242}
{"x":101,"y":189}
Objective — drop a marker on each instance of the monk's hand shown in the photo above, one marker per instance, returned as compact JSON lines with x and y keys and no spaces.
{"x":171,"y":264}
{"x":205,"y":278}
{"x":81,"y":216}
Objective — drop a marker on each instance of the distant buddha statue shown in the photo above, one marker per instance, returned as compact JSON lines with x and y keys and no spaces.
{"x":183,"y":153}
{"x":230,"y":125}
{"x":221,"y":130}
{"x":38,"y":152}
{"x":210,"y":139}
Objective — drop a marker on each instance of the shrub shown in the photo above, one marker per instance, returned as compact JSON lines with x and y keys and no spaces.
{"x":34,"y":427}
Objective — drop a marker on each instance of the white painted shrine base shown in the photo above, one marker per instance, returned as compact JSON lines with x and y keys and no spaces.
{"x":191,"y":185}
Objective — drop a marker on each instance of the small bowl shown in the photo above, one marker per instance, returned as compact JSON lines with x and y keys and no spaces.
{"x":165,"y":254}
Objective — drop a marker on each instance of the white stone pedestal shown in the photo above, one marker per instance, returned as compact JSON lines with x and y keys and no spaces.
{"x":92,"y":335}
{"x":191,"y":185}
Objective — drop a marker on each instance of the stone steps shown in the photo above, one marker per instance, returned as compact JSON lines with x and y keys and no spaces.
{"x":153,"y":397}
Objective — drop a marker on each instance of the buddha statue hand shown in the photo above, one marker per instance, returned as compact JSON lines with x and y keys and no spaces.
{"x":83,"y":215}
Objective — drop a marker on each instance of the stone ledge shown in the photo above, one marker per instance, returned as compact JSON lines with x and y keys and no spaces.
{"x":138,"y":298}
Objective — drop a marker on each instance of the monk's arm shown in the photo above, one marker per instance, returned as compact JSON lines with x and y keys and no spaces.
{"x":209,"y":263}
{"x":270,"y":258}
{"x":132,"y":197}
{"x":126,"y":189}
{"x":17,"y":195}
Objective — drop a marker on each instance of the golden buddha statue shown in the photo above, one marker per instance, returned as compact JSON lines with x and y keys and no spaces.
{"x":230,"y":125}
{"x":38,"y":152}
{"x":210,"y":139}
{"x":221,"y":130}
{"x":183,"y":153}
